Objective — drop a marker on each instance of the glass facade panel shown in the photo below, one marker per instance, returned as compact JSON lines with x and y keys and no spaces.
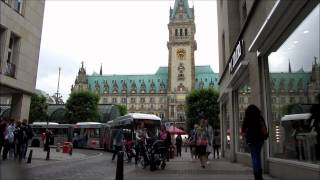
{"x":294,"y":75}
{"x":243,"y":93}
{"x":226,"y":120}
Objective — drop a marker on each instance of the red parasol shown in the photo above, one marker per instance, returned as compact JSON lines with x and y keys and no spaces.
{"x":174,"y":130}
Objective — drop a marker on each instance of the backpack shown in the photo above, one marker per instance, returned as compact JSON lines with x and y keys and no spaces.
{"x":264,"y":134}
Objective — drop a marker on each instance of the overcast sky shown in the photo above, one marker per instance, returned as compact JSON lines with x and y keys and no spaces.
{"x":127,"y":37}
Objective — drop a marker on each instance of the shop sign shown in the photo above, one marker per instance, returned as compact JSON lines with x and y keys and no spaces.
{"x":236,"y":56}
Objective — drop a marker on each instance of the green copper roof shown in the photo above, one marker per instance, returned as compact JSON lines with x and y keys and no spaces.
{"x":204,"y":75}
{"x":186,"y":7}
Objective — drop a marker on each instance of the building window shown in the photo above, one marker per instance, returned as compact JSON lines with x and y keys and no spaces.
{"x":292,"y":100}
{"x":176,"y":31}
{"x":186,"y":32}
{"x":105,"y":100}
{"x":223,"y":51}
{"x":161,"y":115}
{"x":181,"y":32}
{"x":114,"y":100}
{"x":244,"y":11}
{"x":142,"y":100}
{"x":290,"y":139}
{"x":13,"y":53}
{"x":18,"y":5}
{"x":2,"y":38}
{"x":151,"y":100}
{"x":133,"y":100}
{"x":123,"y":100}
{"x":172,"y":111}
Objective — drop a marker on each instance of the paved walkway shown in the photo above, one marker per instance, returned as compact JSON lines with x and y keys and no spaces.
{"x":39,"y":156}
{"x":184,"y":168}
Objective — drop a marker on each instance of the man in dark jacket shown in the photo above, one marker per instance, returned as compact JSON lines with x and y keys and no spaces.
{"x":20,"y":135}
{"x":179,"y":144}
{"x":30,"y":135}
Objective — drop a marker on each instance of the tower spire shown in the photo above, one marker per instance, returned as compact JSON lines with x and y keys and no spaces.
{"x":101,"y":70}
{"x":289,"y":66}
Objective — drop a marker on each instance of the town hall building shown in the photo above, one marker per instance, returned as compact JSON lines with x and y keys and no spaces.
{"x":164,"y":92}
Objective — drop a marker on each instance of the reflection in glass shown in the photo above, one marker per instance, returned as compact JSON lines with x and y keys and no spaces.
{"x":226,"y":119}
{"x":244,"y":93}
{"x":294,"y":72}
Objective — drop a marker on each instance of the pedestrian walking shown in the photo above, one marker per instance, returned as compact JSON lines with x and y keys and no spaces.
{"x":202,"y":142}
{"x":255,"y":132}
{"x":209,"y":129}
{"x":216,"y":144}
{"x":192,"y":141}
{"x":30,"y":135}
{"x":21,"y":137}
{"x":179,"y":144}
{"x":185,"y":142}
{"x":9,"y":146}
{"x":168,"y":144}
{"x":117,"y":143}
{"x":48,"y":139}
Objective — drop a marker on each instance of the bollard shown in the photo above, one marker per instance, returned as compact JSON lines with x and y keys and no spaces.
{"x":48,"y":153}
{"x":70,"y":148}
{"x":119,"y":170}
{"x":58,"y":147}
{"x":30,"y":157}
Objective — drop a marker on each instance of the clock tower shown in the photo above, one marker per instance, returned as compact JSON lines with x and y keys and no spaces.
{"x":181,"y":66}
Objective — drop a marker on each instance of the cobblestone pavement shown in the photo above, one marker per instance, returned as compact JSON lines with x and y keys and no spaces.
{"x":97,"y":165}
{"x":85,"y":165}
{"x":184,"y":168}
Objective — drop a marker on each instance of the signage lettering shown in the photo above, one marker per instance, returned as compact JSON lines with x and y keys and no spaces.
{"x":236,"y":56}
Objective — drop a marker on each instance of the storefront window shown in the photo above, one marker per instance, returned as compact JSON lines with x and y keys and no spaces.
{"x":243,"y":93}
{"x":226,"y":119}
{"x":294,"y":77}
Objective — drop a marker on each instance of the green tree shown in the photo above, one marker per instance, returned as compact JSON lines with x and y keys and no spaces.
{"x":82,"y":106}
{"x":202,"y":103}
{"x":38,"y":108}
{"x":123,"y":109}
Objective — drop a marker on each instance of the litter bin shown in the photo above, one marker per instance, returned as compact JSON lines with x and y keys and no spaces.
{"x":66,"y":147}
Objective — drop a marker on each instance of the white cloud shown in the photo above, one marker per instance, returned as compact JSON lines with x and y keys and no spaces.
{"x":127,"y":37}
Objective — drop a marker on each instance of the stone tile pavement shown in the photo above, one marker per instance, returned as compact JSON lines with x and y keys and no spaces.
{"x":184,"y":168}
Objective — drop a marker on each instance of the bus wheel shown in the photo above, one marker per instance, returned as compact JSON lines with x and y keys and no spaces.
{"x":75,"y":144}
{"x":35,"y":143}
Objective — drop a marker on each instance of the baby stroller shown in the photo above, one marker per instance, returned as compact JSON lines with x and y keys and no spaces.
{"x":157,"y":154}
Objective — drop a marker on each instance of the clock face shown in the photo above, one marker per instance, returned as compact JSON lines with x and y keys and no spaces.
{"x":181,"y":53}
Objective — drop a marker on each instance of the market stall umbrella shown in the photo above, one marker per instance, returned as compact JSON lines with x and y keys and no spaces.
{"x":175,"y":130}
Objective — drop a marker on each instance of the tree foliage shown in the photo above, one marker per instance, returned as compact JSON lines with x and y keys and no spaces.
{"x":123,"y":109}
{"x":82,"y":106}
{"x":202,"y":103}
{"x":38,"y":108}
